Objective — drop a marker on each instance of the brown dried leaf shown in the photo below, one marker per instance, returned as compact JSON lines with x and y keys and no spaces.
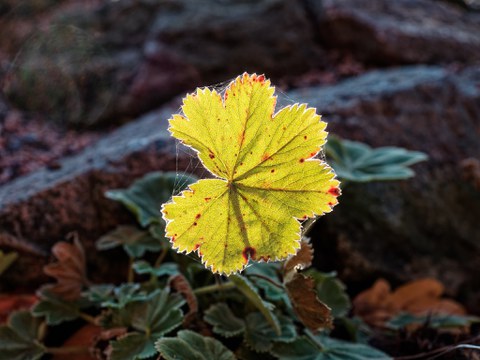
{"x":414,"y":292}
{"x":180,"y":284}
{"x":302,"y":259}
{"x":372,"y":299}
{"x":313,"y":313}
{"x":101,"y":348}
{"x":69,"y":270}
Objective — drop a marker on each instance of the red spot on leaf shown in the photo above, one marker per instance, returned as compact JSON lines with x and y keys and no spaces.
{"x":264,"y":258}
{"x":334,"y":191}
{"x":208,"y":199}
{"x":248,"y":252}
{"x":265,"y":156}
{"x":313,"y":154}
{"x":198,"y":216}
{"x":211,"y":156}
{"x":195,"y":224}
{"x":305,"y":137}
{"x":301,"y":160}
{"x":196,"y":246}
{"x":272,"y":171}
{"x":259,"y":78}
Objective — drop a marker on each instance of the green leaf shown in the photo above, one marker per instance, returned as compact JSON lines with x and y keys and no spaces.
{"x":145,"y":196}
{"x":6,"y":260}
{"x":142,"y":267}
{"x":247,"y":288}
{"x":224,"y":321}
{"x":134,"y":241}
{"x":189,"y":345}
{"x":125,"y":294}
{"x":19,"y":339}
{"x":150,"y":319}
{"x":132,"y":346}
{"x":245,"y":353}
{"x":260,"y":336}
{"x":99,"y":293}
{"x":325,"y":348}
{"x":270,"y":271}
{"x":355,"y":161}
{"x":331,"y":291}
{"x":57,"y":310}
{"x":436,"y":321}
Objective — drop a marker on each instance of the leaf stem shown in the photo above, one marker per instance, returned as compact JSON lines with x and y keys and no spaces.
{"x":267,"y":279}
{"x":130,"y":273}
{"x":161,"y":257}
{"x":67,"y":350}
{"x":88,"y":318}
{"x":213,"y":288}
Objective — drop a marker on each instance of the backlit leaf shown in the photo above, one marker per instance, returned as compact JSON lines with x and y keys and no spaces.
{"x":145,"y":196}
{"x":267,"y":176}
{"x":19,"y":338}
{"x":189,"y":345}
{"x":355,"y":161}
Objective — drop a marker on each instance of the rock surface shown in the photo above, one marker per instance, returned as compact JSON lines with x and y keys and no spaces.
{"x":401,"y":31}
{"x":42,"y":208}
{"x":424,"y":226}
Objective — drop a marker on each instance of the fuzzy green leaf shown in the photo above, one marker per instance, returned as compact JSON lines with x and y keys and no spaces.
{"x":189,"y":345}
{"x":355,"y":161}
{"x":251,"y":293}
{"x":325,"y":348}
{"x":134,"y":241}
{"x":224,"y":321}
{"x":57,"y":310}
{"x":18,"y":339}
{"x":6,"y":259}
{"x":331,"y":291}
{"x":145,"y":196}
{"x":132,"y":346}
{"x":142,"y":267}
{"x":260,"y":336}
{"x":125,"y":294}
{"x":99,"y":293}
{"x":270,"y":271}
{"x":150,"y":320}
{"x":435,"y":321}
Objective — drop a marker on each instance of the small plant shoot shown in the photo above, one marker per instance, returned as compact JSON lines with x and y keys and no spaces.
{"x":266,"y":176}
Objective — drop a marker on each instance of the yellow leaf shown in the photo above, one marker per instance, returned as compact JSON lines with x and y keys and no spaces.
{"x":267,"y":176}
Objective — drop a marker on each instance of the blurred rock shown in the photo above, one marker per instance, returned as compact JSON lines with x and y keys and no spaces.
{"x":424,"y":226}
{"x":401,"y":31}
{"x":40,"y":209}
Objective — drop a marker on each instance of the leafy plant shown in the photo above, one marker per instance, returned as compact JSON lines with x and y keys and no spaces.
{"x":174,"y":306}
{"x":355,"y":161}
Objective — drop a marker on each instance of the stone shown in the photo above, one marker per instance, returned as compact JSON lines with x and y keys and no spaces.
{"x":401,"y":31}
{"x":41,"y":208}
{"x":425,"y":226}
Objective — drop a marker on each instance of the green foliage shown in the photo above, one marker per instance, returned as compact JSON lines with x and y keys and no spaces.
{"x":135,"y":242}
{"x":166,"y":269}
{"x":6,"y":259}
{"x":331,"y":291}
{"x":355,"y":161}
{"x":435,"y":321}
{"x":260,"y":336}
{"x":189,"y":345}
{"x":19,"y":339}
{"x":224,"y":321}
{"x":324,"y":348}
{"x":145,"y":196}
{"x":56,"y":310}
{"x":251,"y":293}
{"x":150,"y":320}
